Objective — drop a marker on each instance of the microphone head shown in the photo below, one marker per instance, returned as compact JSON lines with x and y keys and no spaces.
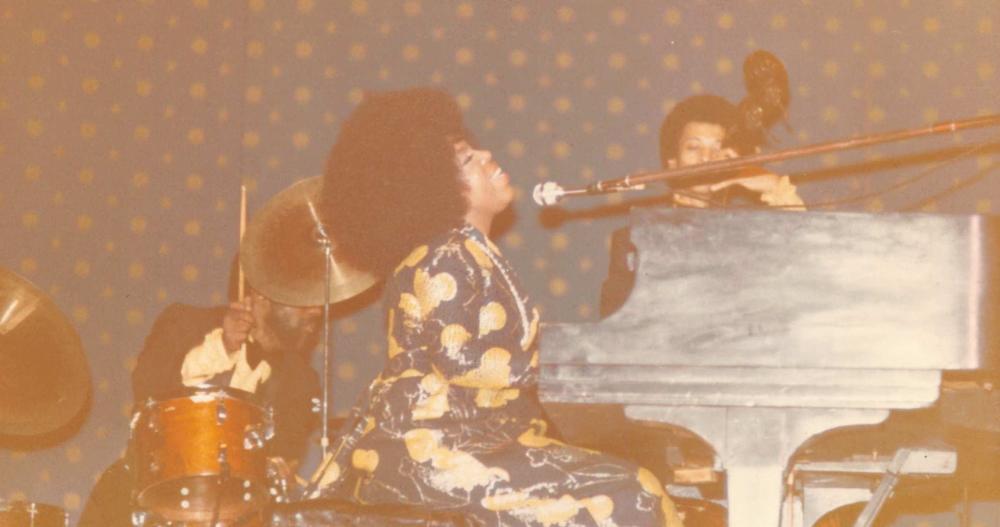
{"x":547,"y":193}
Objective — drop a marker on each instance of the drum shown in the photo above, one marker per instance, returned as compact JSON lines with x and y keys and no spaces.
{"x":201,"y":456}
{"x":31,"y":514}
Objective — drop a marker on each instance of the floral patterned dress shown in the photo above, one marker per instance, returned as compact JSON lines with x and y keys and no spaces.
{"x":453,"y":422}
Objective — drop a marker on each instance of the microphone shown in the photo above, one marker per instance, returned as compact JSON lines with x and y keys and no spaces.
{"x":549,"y":192}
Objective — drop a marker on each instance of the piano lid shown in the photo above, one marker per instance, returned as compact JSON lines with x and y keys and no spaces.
{"x":799,"y":290}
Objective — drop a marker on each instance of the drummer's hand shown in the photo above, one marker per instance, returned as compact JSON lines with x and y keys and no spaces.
{"x":237,"y":324}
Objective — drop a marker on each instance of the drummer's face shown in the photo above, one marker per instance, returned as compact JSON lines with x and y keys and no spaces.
{"x":287,"y":328}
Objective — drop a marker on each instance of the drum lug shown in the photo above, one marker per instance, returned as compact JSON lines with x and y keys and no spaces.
{"x":139,"y":518}
{"x":220,"y":413}
{"x":254,"y":437}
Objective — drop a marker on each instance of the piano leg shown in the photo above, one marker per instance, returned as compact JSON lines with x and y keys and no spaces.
{"x":754,"y":445}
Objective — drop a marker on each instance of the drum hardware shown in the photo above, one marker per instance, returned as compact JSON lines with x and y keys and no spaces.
{"x":220,"y":414}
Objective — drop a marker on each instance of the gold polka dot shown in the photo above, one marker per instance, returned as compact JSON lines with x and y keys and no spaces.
{"x":255,"y":49}
{"x":138,"y":224}
{"x":199,"y":46}
{"x":558,"y":286}
{"x":779,"y":21}
{"x":559,"y":242}
{"x":136,"y":270}
{"x":34,"y":127}
{"x":190,"y":273}
{"x":931,"y":70}
{"x":257,"y":5}
{"x":616,"y":105}
{"x":831,"y":68}
{"x":134,"y":317}
{"x":74,"y":454}
{"x":300,"y":140}
{"x":32,"y":172}
{"x":411,"y":53}
{"x":145,"y":43}
{"x":303,"y":94}
{"x":29,"y":265}
{"x":29,"y":219}
{"x":71,"y":501}
{"x":196,"y":136}
{"x":303,"y":49}
{"x":92,"y":40}
{"x":197,"y":90}
{"x":515,"y":103}
{"x":192,"y":227}
{"x":930,"y":115}
{"x":618,"y":16}
{"x":565,"y":14}
{"x":412,"y":7}
{"x":84,"y":222}
{"x":672,"y":17}
{"x":932,"y":25}
{"x":36,"y":82}
{"x":517,"y":58}
{"x":346,"y":371}
{"x":985,"y":25}
{"x":90,"y":85}
{"x":519,"y":13}
{"x":464,"y":56}
{"x":561,"y":150}
{"x":725,"y":21}
{"x":359,"y":7}
{"x":38,"y":37}
{"x":724,"y":66}
{"x":88,"y":130}
{"x":615,"y":152}
{"x":985,"y":70}
{"x":143,"y":88}
{"x":81,"y":268}
{"x":671,"y":62}
{"x":465,"y":10}
{"x":617,"y":61}
{"x":251,"y":139}
{"x":194,"y":182}
{"x":305,"y":6}
{"x":358,"y":51}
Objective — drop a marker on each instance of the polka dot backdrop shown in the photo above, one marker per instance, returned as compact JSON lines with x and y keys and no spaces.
{"x":128,"y":126}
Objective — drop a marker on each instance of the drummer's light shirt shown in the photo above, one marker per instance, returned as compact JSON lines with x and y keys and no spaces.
{"x":210,"y":358}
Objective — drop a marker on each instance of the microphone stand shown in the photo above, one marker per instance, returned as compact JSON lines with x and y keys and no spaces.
{"x":549,"y":193}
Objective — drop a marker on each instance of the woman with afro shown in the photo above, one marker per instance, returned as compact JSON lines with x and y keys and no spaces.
{"x":453,"y":421}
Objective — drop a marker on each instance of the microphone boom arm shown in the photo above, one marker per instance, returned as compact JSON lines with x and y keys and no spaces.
{"x":549,"y":193}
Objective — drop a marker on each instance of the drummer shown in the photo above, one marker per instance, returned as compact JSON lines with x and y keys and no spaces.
{"x":257,"y":346}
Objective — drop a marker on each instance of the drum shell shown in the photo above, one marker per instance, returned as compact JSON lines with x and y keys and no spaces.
{"x":186,"y":448}
{"x":31,"y":514}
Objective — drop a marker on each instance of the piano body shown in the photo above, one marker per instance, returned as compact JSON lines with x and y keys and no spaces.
{"x":757,"y":330}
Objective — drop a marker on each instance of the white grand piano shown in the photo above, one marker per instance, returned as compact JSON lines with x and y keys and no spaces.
{"x":757,"y":330}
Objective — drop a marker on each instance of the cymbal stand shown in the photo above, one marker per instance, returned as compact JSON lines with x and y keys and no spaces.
{"x":326,"y":244}
{"x":327,"y":278}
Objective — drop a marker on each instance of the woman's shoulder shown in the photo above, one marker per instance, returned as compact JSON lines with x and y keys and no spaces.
{"x":457,"y":246}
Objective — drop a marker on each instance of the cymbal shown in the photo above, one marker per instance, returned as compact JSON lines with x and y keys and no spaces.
{"x":44,"y":377}
{"x":282,"y":251}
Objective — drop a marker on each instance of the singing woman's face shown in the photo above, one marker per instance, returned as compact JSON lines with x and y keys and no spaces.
{"x":700,"y":142}
{"x":489,"y":191}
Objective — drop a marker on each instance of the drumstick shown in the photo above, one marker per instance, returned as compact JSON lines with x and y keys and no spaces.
{"x":243,"y":228}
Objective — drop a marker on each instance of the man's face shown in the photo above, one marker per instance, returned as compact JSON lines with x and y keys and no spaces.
{"x":700,"y":142}
{"x":286,"y":328}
